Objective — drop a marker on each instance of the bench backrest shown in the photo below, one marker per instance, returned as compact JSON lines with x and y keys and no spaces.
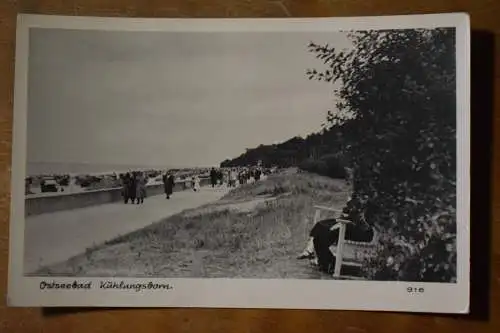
{"x":360,"y":250}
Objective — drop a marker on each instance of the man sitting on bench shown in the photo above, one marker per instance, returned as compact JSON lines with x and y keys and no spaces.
{"x":322,"y":237}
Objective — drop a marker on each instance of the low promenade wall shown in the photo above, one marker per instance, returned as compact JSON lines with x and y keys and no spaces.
{"x":65,"y":201}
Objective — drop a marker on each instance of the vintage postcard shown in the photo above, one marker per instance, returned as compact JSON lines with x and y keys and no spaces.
{"x":306,"y":163}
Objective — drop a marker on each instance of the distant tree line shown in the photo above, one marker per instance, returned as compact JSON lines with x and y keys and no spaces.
{"x":319,"y":153}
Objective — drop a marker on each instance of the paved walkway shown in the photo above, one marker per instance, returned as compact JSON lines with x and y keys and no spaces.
{"x":55,"y":237}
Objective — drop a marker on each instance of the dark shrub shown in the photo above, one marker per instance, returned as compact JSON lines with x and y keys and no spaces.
{"x":328,"y":165}
{"x":396,"y":115}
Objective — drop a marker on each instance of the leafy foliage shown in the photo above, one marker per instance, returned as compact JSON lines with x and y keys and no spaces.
{"x":396,"y":119}
{"x":327,"y":165}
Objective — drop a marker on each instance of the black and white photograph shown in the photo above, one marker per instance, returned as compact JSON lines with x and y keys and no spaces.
{"x":322,"y":160}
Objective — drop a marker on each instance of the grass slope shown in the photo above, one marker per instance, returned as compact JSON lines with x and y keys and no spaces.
{"x":255,"y":231}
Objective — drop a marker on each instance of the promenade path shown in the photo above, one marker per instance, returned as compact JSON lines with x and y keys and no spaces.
{"x":54,"y":237}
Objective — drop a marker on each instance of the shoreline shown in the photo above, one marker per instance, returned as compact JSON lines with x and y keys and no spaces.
{"x":36,"y":168}
{"x":78,"y":183}
{"x":103,"y":173}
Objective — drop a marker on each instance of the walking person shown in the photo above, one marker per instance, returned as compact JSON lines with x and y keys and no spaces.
{"x":168,"y":184}
{"x":245,"y":176}
{"x":125,"y":187}
{"x":258,"y":173}
{"x":132,"y":187}
{"x":140,"y":188}
{"x":213,"y":177}
{"x":241,"y":177}
{"x":220,"y":177}
{"x":233,"y":177}
{"x":196,"y":183}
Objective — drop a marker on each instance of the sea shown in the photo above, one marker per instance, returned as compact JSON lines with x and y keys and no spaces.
{"x":54,"y":168}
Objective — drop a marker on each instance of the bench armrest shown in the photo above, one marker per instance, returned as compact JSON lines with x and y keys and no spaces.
{"x":343,"y":221}
{"x":328,"y":209}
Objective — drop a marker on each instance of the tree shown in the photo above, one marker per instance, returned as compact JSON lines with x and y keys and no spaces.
{"x":396,"y":117}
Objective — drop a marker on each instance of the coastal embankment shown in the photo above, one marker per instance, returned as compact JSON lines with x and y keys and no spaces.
{"x":255,"y":230}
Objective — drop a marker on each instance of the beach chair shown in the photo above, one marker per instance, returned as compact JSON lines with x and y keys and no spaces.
{"x":347,"y":253}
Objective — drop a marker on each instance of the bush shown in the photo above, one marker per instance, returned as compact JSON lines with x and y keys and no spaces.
{"x":396,"y":117}
{"x":328,"y":165}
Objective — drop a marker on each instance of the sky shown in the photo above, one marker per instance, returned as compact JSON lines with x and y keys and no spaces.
{"x":170,"y":98}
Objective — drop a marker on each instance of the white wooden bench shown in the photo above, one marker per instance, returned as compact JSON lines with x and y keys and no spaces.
{"x":346,"y":252}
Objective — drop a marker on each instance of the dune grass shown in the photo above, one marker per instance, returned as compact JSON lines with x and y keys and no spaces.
{"x":209,"y":242}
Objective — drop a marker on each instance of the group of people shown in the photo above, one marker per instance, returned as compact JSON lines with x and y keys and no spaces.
{"x":245,"y":175}
{"x":234,"y":175}
{"x":134,"y":183}
{"x":134,"y":187}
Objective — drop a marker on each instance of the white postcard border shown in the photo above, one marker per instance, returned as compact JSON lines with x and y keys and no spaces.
{"x":242,"y":293}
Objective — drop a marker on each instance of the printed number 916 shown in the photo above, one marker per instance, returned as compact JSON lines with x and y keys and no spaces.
{"x":415,"y":290}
